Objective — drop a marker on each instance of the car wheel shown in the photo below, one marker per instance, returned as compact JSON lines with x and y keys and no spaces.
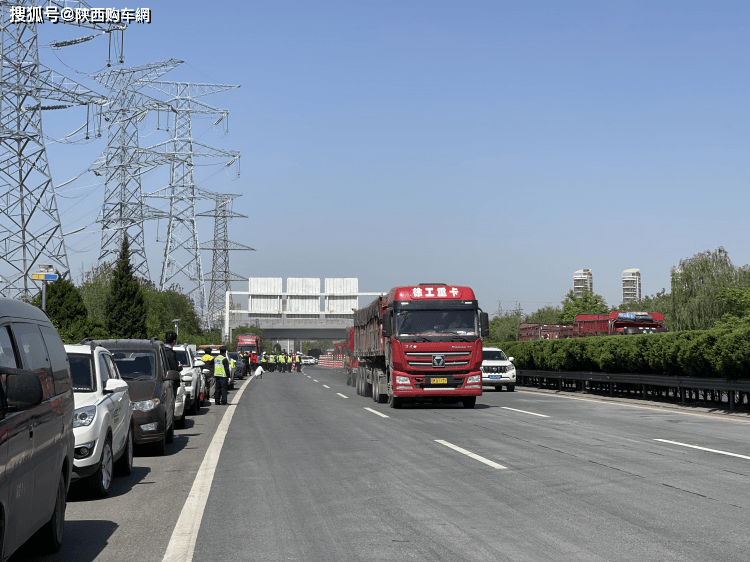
{"x":124,"y":465}
{"x":180,"y":424}
{"x":194,"y":406}
{"x":101,"y":480}
{"x":469,"y":401}
{"x":498,"y":387}
{"x":511,"y":387}
{"x":52,"y":532}
{"x":169,"y":436}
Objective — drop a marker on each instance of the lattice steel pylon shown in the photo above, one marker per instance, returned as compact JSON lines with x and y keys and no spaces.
{"x":221,"y":277}
{"x":182,"y":258}
{"x":123,"y":161}
{"x":30,"y":228}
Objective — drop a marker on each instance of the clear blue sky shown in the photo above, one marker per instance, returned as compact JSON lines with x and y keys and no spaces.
{"x":501,"y":145}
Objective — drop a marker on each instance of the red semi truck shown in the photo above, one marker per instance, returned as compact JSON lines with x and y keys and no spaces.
{"x":618,"y":323}
{"x":420,"y":343}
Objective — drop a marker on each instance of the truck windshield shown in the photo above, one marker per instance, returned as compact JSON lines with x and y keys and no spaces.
{"x":136,"y":365}
{"x":436,"y":322}
{"x":246,"y":348}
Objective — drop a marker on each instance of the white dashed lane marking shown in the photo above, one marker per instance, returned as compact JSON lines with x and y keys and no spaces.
{"x":342,"y":396}
{"x":474,"y":456}
{"x":525,"y":412}
{"x":377,"y":413}
{"x":704,"y":449}
{"x":326,"y":386}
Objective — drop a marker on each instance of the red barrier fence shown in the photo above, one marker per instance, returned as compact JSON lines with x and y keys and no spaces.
{"x":329,"y":361}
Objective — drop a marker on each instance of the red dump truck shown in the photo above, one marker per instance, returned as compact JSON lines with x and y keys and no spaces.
{"x":248,"y":342}
{"x":530,"y":331}
{"x":618,"y":323}
{"x":350,"y":360}
{"x":420,"y":343}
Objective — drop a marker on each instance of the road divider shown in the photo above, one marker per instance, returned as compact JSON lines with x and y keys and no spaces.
{"x":474,"y":456}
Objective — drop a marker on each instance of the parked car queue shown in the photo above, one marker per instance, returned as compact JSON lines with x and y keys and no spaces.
{"x":107,"y":395}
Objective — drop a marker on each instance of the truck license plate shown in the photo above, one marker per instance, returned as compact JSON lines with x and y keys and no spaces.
{"x":440,"y":380}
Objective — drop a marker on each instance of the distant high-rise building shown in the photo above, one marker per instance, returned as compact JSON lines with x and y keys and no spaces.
{"x":631,"y":285}
{"x":582,"y":280}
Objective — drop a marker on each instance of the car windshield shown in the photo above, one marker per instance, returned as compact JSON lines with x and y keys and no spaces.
{"x":493,"y":355}
{"x":82,"y":371}
{"x":136,"y":364}
{"x":412,"y":322}
{"x":182,"y":357}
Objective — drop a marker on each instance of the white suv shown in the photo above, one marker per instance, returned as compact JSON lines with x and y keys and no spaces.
{"x":102,"y":423}
{"x":192,"y":377}
{"x":497,"y":369}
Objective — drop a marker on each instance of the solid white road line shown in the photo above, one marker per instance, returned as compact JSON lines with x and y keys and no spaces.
{"x":377,"y":413}
{"x":342,"y":396}
{"x":703,"y":449}
{"x":326,"y":386}
{"x":472,"y":455}
{"x":182,"y":543}
{"x":525,"y":412}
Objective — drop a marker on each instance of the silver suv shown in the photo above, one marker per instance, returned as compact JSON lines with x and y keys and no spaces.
{"x":498,"y":369}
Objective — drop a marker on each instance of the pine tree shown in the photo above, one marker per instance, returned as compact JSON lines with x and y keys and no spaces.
{"x":125,"y":310}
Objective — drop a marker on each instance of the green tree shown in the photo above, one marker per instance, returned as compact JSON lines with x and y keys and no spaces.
{"x":695,"y":289}
{"x":164,"y":306}
{"x":504,"y":326}
{"x":125,"y":309}
{"x":68,"y":313}
{"x":545,"y":315}
{"x":588,"y":303}
{"x":94,"y":289}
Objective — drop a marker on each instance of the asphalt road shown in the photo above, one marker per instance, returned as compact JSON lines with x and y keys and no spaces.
{"x":308,"y":473}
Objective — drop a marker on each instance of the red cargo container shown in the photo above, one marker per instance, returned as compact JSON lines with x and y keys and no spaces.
{"x":420,"y":343}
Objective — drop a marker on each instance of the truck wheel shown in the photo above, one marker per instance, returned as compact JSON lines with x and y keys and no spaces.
{"x":511,"y":387}
{"x":376,"y":390}
{"x":469,"y":401}
{"x":394,"y":402}
{"x":368,"y":389}
{"x":356,"y":383}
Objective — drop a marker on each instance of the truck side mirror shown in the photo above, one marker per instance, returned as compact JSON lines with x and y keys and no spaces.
{"x":387,"y":324}
{"x":484,"y":321}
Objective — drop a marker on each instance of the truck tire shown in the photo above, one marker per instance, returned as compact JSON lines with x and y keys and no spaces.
{"x":358,"y":382}
{"x":469,"y":401}
{"x":367,"y":387}
{"x":376,"y":388}
{"x":394,"y":402}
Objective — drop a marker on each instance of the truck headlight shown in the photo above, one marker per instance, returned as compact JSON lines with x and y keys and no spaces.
{"x":402,"y":380}
{"x":473,"y":379}
{"x":146,"y":405}
{"x":83,"y":417}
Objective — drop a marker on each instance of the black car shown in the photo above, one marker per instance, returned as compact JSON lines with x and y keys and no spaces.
{"x":143,"y":365}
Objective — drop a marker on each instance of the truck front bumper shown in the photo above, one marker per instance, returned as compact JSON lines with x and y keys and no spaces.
{"x":416,"y":390}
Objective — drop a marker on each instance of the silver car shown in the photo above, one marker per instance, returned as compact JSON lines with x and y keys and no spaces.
{"x":498,"y":369}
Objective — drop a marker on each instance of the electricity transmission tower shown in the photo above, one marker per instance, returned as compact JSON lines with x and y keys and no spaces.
{"x":221,"y":277}
{"x":30,"y":229}
{"x":123,"y":161}
{"x":182,"y":256}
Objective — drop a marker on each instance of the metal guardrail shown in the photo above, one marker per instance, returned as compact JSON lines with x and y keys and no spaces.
{"x":736,"y":391}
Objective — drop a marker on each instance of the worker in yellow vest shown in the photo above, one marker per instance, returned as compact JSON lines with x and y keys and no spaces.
{"x":208,"y":368}
{"x":221,"y":373}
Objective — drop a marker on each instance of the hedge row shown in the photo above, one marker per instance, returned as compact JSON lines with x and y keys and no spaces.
{"x":695,"y":353}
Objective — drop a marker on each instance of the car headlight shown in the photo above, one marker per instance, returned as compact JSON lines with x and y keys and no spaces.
{"x":83,"y":417}
{"x":473,"y":379}
{"x":146,"y":405}
{"x":402,"y":380}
